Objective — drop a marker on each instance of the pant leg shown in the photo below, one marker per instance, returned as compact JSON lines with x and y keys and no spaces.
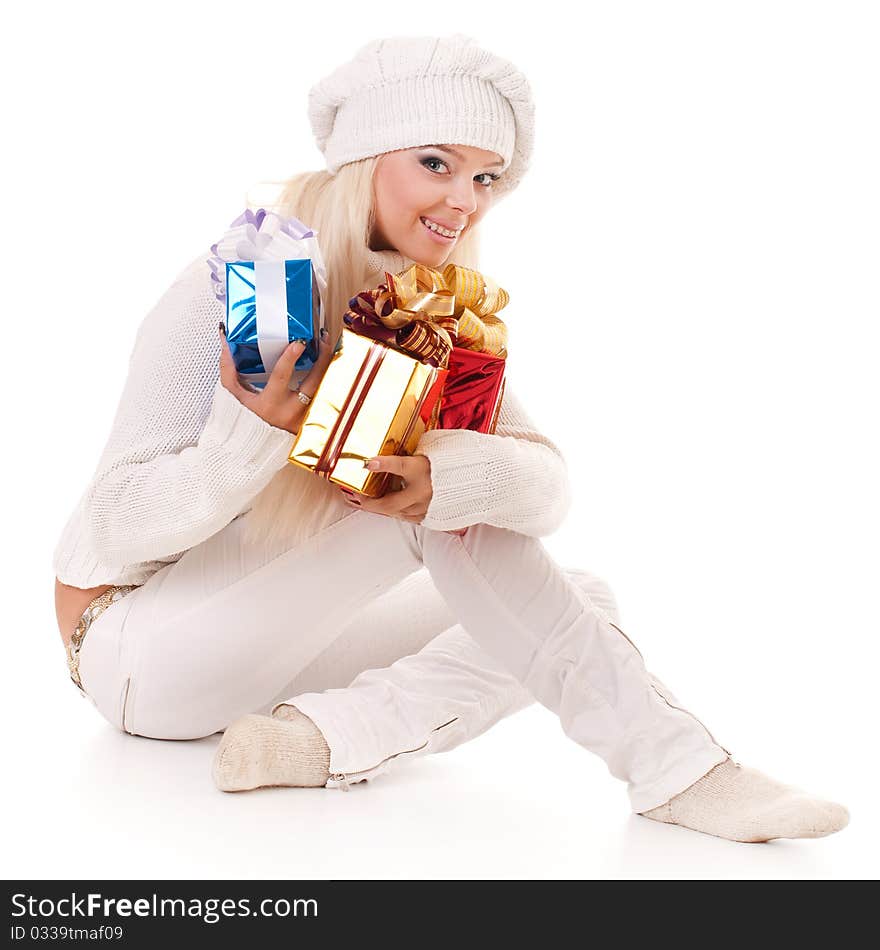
{"x":433,"y":700}
{"x":520,"y":607}
{"x":227,"y":623}
{"x":219,"y":632}
{"x":400,"y":622}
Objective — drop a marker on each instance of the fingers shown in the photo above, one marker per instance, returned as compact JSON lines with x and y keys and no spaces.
{"x":311,"y":381}
{"x":414,"y":513}
{"x":283,"y":369}
{"x":394,"y":502}
{"x":228,"y":372}
{"x":412,"y":496}
{"x":396,"y":464}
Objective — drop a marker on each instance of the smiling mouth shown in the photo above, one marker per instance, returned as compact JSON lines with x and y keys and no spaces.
{"x":441,"y":234}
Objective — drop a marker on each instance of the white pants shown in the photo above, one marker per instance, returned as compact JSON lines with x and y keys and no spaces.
{"x":357,"y":628}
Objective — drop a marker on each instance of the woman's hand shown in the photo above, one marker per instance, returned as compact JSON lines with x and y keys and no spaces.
{"x":407,"y":500}
{"x":277,"y":404}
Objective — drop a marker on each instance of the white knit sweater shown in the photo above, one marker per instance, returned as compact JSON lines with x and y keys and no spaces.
{"x":185,"y":457}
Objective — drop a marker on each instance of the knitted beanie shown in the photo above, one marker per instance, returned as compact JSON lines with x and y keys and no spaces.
{"x":404,"y":92}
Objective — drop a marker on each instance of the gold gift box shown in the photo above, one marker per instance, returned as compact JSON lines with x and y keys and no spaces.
{"x":352,"y":416}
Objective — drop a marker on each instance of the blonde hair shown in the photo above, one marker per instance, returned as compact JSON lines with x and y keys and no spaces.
{"x":340,"y":208}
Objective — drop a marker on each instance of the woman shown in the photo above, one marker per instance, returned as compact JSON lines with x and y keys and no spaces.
{"x":218,"y":583}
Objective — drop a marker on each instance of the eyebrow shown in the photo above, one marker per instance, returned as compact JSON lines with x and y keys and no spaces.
{"x":458,"y":155}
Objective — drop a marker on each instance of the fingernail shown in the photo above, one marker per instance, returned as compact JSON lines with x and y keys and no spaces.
{"x":221,"y":328}
{"x":304,"y":342}
{"x":371,"y":464}
{"x":324,"y":333}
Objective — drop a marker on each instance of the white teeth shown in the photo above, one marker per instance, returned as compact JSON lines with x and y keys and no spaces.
{"x":436,"y":227}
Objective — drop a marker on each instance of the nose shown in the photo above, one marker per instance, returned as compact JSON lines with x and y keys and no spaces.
{"x":462,"y":198}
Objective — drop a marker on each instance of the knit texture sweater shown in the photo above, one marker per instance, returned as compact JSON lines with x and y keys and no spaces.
{"x":184,"y":457}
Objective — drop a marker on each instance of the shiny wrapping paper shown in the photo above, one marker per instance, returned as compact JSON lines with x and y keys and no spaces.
{"x":424,"y":350}
{"x":373,"y":400}
{"x":473,"y":391}
{"x":269,"y":273}
{"x":269,"y":304}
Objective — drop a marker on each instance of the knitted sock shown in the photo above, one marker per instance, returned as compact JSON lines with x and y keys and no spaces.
{"x":742,"y":804}
{"x":287,"y":749}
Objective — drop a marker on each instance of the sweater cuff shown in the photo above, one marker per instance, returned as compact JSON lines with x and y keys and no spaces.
{"x":460,"y":479}
{"x":248,"y":437}
{"x":510,"y":483}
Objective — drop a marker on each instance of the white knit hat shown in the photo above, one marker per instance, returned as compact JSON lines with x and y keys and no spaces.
{"x":404,"y":92}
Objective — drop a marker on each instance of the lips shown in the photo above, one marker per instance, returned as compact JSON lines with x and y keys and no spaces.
{"x":436,"y":236}
{"x":443,"y":224}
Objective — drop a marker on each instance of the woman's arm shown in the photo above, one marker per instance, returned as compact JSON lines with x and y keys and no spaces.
{"x":184,"y":456}
{"x":515,"y":479}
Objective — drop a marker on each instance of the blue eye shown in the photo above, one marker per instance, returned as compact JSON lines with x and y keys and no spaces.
{"x":488,"y":184}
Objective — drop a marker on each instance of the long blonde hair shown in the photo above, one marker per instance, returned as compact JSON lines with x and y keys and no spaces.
{"x":340,"y":208}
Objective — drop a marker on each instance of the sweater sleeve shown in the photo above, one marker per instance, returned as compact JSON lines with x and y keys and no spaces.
{"x":515,"y":479}
{"x":184,"y":456}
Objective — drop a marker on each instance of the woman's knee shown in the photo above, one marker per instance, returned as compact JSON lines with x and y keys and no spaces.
{"x":597,"y":589}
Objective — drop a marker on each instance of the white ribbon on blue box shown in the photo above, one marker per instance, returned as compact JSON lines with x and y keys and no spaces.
{"x":268,"y":304}
{"x":271,"y":273}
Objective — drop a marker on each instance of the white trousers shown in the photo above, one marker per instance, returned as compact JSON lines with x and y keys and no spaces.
{"x":397,"y":641}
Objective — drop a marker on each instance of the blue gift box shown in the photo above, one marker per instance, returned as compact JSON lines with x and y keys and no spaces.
{"x":269,"y":304}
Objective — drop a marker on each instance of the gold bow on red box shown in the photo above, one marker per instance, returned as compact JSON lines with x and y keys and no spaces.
{"x":426,"y":313}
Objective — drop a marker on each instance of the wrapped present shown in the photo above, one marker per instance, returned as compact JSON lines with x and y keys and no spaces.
{"x":401,"y":345}
{"x":476,"y":337}
{"x":372,"y":400}
{"x":473,"y":391}
{"x":269,"y":272}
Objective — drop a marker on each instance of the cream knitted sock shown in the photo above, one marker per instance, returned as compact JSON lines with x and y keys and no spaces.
{"x":742,"y":804}
{"x":256,"y":751}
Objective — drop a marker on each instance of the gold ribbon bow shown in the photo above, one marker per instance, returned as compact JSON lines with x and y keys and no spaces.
{"x":457,"y":307}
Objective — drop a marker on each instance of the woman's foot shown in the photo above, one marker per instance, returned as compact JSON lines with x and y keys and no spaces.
{"x":256,"y":751}
{"x":742,"y":804}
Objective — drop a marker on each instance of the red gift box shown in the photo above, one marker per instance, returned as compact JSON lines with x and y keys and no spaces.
{"x":472,"y":391}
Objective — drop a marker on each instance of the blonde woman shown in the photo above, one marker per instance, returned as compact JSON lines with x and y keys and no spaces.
{"x":205,"y":584}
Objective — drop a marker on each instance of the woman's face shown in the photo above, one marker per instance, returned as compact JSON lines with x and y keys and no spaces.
{"x":448,"y":185}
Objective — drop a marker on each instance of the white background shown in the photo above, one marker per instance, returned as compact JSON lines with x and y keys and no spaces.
{"x":692,"y":261}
